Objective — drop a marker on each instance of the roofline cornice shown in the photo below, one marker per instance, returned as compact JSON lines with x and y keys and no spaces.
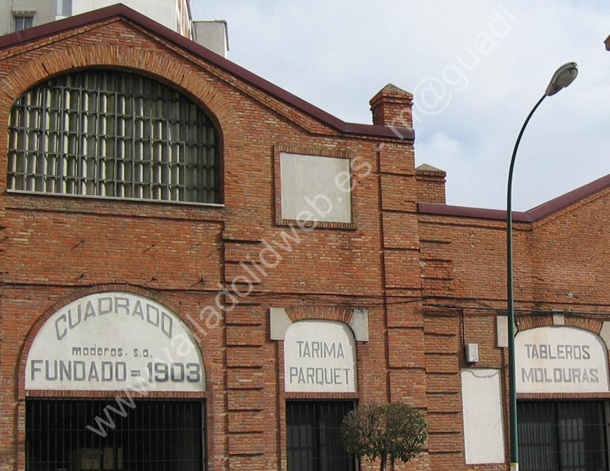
{"x":536,"y":214}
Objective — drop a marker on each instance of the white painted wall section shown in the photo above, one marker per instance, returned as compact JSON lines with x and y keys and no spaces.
{"x":171,"y":13}
{"x":561,"y":359}
{"x":320,"y":356}
{"x":115,"y":341}
{"x":213,"y":35}
{"x":315,"y":188}
{"x":482,"y":410}
{"x":162,"y":11}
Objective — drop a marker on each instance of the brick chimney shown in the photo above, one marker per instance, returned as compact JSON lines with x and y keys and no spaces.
{"x":430,"y":184}
{"x":392,"y":106}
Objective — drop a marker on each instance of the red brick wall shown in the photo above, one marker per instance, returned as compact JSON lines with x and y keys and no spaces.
{"x":559,"y":267}
{"x":430,"y":185}
{"x":59,"y":248}
{"x":430,"y":283}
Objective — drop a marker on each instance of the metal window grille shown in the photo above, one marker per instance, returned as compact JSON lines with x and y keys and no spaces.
{"x":154,"y":435}
{"x":562,"y":436}
{"x":313,"y":435}
{"x":113,"y":134}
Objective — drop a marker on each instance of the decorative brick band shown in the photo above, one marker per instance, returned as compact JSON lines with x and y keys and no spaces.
{"x":325,"y":396}
{"x":317,"y":224}
{"x":570,"y":396}
{"x":113,"y":394}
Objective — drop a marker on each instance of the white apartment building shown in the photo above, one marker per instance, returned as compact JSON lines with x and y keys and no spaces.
{"x":17,"y":15}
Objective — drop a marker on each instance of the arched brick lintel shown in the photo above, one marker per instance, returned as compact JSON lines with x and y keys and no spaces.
{"x":165,"y":67}
{"x":330,"y":313}
{"x":532,"y":321}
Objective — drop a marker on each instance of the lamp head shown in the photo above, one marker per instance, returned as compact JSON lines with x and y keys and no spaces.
{"x":563,"y":77}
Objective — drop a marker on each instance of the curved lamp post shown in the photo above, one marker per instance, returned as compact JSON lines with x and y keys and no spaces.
{"x":563,"y":77}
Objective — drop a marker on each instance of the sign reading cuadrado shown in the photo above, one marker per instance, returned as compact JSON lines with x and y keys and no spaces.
{"x":320,"y":356}
{"x":114,"y":341}
{"x":561,"y":360}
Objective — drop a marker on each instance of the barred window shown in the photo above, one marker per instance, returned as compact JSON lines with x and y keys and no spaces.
{"x":563,"y":435}
{"x":110,"y":133}
{"x":121,"y":434}
{"x":313,"y":433}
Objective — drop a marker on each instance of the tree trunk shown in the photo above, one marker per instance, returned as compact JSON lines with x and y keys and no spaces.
{"x":384,"y":460}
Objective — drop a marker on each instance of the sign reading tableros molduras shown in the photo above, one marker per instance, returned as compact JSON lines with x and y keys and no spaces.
{"x":320,"y":356}
{"x":114,"y":341}
{"x":561,"y":360}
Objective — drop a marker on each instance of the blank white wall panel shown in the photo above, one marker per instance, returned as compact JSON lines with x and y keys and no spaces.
{"x":482,"y":411}
{"x":315,"y":188}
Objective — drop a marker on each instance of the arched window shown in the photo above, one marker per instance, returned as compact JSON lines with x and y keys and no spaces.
{"x":115,"y":134}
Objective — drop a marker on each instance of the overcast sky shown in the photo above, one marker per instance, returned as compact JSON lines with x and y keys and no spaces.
{"x":476,"y":67}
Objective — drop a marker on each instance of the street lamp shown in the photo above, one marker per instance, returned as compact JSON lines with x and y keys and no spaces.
{"x":563,"y":77}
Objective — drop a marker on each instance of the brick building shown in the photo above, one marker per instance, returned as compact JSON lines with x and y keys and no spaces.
{"x":202,"y":271}
{"x":21,"y":14}
{"x":17,"y":15}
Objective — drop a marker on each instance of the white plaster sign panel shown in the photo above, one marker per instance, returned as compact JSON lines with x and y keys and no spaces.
{"x":315,"y":188}
{"x":482,"y":413}
{"x":560,"y":360}
{"x":115,"y":341}
{"x":320,"y":356}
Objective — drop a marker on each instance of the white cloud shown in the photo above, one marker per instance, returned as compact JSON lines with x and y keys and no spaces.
{"x":337,"y":54}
